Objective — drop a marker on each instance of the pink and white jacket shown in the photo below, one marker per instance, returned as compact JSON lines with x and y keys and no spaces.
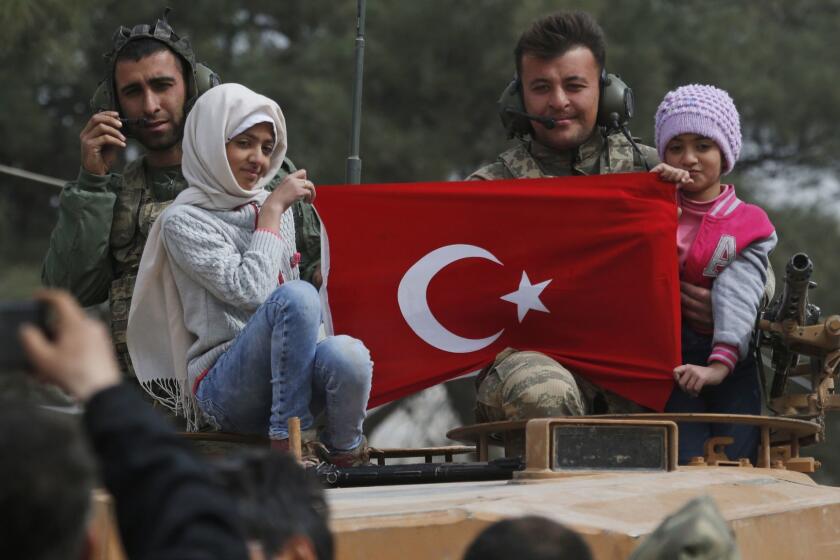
{"x":729,"y":253}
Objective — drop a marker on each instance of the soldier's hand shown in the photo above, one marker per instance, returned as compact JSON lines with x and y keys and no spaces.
{"x":317,"y":276}
{"x":101,"y":140}
{"x":696,"y":307}
{"x":80,"y":357}
{"x":692,"y":378}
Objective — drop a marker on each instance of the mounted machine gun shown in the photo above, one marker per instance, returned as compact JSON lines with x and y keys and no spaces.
{"x":792,"y":329}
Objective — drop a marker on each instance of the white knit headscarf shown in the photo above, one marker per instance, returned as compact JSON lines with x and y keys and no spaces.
{"x":156,"y":336}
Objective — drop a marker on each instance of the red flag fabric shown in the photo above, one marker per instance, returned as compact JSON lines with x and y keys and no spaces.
{"x":437,"y":278}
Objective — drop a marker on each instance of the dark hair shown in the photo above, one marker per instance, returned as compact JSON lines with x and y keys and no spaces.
{"x":555,"y":34}
{"x":48,"y":474}
{"x":528,"y":538}
{"x":146,"y":46}
{"x":276,"y":500}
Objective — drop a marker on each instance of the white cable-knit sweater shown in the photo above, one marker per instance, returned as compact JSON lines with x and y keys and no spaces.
{"x":224,"y":269}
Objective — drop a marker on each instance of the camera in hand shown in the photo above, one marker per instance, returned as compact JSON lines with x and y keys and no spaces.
{"x":13,"y":314}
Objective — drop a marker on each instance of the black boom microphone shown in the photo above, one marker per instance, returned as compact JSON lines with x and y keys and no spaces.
{"x":545,"y":121}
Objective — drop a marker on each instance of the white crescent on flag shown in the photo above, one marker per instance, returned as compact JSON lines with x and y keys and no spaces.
{"x":414,"y":306}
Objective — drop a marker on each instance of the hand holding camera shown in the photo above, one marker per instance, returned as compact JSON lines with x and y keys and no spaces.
{"x":73,"y":351}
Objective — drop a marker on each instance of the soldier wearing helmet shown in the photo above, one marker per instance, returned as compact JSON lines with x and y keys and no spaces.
{"x":152,"y":79}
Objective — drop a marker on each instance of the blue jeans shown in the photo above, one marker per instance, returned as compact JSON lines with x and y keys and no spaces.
{"x":738,"y":393}
{"x":276,"y":369}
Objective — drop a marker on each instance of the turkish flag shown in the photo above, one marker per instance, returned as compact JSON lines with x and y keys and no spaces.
{"x":437,"y":278}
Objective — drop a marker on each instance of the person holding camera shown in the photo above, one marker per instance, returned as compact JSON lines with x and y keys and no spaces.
{"x":169,"y":504}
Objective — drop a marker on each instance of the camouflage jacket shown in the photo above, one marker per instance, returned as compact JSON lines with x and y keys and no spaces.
{"x":529,"y":159}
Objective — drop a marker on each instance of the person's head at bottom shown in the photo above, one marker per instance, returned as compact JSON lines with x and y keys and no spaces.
{"x":282,"y":508}
{"x":45,"y":498}
{"x":528,"y":538}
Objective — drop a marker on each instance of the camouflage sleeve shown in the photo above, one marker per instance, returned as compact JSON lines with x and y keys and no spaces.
{"x":491,"y":172}
{"x":650,"y":154}
{"x":78,"y":258}
{"x":285,"y":169}
{"x":307,"y":230}
{"x":308,"y":239}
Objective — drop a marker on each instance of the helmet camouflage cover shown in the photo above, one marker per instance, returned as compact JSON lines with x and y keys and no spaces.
{"x":105,"y":97}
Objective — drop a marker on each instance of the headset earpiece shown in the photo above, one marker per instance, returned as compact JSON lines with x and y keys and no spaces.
{"x":101,"y":100}
{"x":616,"y":104}
{"x":205,"y":78}
{"x":511,"y":99}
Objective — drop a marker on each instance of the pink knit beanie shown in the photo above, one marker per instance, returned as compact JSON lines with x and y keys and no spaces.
{"x":703,"y":110}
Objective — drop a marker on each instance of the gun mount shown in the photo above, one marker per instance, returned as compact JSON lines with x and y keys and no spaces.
{"x":792,"y":329}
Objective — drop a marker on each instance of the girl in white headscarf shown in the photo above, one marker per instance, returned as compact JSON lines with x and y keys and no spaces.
{"x":220,"y":326}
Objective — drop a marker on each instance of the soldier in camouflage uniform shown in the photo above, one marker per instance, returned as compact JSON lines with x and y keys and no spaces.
{"x":560,"y":62}
{"x":104,"y":217}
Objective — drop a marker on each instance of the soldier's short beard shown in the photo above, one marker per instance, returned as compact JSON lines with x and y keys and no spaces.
{"x":165,"y":143}
{"x":580,"y":139}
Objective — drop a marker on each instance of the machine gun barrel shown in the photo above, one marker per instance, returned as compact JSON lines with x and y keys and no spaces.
{"x":789,"y":312}
{"x":792,"y":329}
{"x":421,"y":473}
{"x":795,"y":293}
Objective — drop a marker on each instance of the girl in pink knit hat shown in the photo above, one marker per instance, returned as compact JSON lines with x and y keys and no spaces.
{"x":723,"y":245}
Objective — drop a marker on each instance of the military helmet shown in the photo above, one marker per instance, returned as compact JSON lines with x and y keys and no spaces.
{"x":199,"y":77}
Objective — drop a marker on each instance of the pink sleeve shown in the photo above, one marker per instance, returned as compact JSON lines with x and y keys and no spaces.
{"x":725,"y":354}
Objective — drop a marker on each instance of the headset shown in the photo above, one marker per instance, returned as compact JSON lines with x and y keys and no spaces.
{"x":200,"y":77}
{"x":615,"y":106}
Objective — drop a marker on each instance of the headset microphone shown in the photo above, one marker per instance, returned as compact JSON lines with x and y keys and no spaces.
{"x":545,"y":121}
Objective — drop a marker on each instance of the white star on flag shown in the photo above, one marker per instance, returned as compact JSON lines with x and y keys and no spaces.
{"x":527,"y":297}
